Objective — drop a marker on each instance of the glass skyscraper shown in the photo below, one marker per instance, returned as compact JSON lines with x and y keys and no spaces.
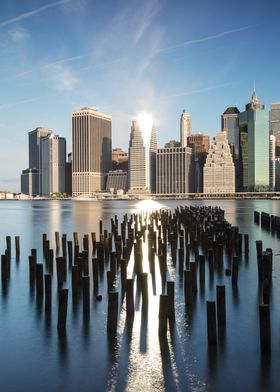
{"x":255,"y":122}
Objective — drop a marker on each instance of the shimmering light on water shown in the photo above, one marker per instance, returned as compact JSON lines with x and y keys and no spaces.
{"x":35,"y":357}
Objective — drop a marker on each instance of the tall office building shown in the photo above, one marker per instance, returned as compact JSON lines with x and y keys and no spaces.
{"x":185,"y":128}
{"x":92,"y":150}
{"x":142,"y":157}
{"x":219,"y":171}
{"x":173,"y":170}
{"x":31,"y":177}
{"x":272,"y":162}
{"x":230,"y":125}
{"x":53,"y":158}
{"x":255,"y":121}
{"x":199,"y":144}
{"x":274,"y":119}
{"x":243,"y":161}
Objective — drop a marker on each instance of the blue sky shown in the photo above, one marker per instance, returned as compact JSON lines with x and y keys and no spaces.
{"x":126,"y":57}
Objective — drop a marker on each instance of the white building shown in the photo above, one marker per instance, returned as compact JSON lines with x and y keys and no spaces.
{"x":272,"y":141}
{"x":53,"y":155}
{"x":219,"y":170}
{"x":142,"y":156}
{"x":185,"y":128}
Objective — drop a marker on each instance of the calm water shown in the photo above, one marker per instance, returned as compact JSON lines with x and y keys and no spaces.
{"x":33,"y":357}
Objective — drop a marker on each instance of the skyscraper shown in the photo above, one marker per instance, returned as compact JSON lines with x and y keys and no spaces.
{"x":53,"y":157}
{"x":272,"y":162}
{"x":274,"y":126}
{"x":219,"y":171}
{"x":172,"y":170}
{"x":199,"y":144}
{"x":142,"y":156}
{"x":92,"y":150}
{"x":185,"y":128}
{"x":255,"y":121}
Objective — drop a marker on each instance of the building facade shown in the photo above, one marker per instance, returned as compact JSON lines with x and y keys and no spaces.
{"x":255,"y":121}
{"x":272,"y":162}
{"x":29,"y":182}
{"x":53,"y":157}
{"x":92,"y":150}
{"x":117,"y":180}
{"x":185,"y":128}
{"x":119,"y":159}
{"x":230,"y":125}
{"x":274,"y":119}
{"x":219,"y":170}
{"x":173,"y":170}
{"x":142,"y":159}
{"x":199,"y":145}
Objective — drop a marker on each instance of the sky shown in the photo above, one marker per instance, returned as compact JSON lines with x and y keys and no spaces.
{"x":127,"y":57}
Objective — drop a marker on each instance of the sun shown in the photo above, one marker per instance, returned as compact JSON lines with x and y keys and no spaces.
{"x":145,"y":122}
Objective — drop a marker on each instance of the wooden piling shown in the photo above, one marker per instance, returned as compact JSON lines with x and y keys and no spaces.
{"x":171,"y":304}
{"x":112,"y":315}
{"x":75,"y":281}
{"x":144,"y":289}
{"x":62,"y":309}
{"x":162,"y":316}
{"x":110,"y":281}
{"x":129,"y":298}
{"x":17,"y":246}
{"x":57,"y":244}
{"x":211,"y":323}
{"x":48,"y":293}
{"x":265,"y":334}
{"x":221,"y":304}
{"x":188,"y":289}
{"x":39,"y":280}
{"x":234,"y":270}
{"x":86,"y":288}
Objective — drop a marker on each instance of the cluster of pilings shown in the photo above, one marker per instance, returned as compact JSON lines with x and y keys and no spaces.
{"x":268,"y":221}
{"x":190,"y":238}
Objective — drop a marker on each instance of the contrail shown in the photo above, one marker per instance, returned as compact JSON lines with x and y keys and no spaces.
{"x":29,"y":14}
{"x":204,"y":39}
{"x":202,"y":90}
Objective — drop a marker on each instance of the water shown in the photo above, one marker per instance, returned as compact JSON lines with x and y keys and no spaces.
{"x":34,"y":357}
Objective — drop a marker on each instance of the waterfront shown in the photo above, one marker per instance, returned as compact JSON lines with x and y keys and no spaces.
{"x":35,"y":356}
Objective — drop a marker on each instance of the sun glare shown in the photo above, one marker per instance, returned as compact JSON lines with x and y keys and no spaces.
{"x":145,"y":122}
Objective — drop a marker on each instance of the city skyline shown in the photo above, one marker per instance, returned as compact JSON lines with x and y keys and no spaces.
{"x":124,"y":59}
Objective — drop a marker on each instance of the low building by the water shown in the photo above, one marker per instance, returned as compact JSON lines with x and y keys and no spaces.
{"x":116,"y":180}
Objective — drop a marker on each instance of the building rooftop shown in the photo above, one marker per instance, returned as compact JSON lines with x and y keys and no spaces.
{"x":232,"y":110}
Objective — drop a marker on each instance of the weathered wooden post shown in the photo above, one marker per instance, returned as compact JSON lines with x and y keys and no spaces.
{"x":162,"y":316}
{"x":39,"y":280}
{"x":57,"y":244}
{"x":234,"y":270}
{"x":221,"y":304}
{"x":110,"y":281}
{"x":70,"y":252}
{"x":48,"y":293}
{"x":75,"y":281}
{"x":144,"y":289}
{"x":211,"y":323}
{"x":265,"y":338}
{"x":17,"y":245}
{"x":188,"y":290}
{"x":130,"y":298}
{"x":62,"y":309}
{"x":112,"y":316}
{"x":85,"y":285}
{"x":171,"y":304}
{"x":95,"y":275}
{"x":193,"y":278}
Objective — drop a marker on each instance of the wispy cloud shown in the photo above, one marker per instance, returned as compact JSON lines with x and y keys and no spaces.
{"x":62,"y":77}
{"x":18,"y":34}
{"x":205,"y":39}
{"x":198,"y":91}
{"x":29,"y":14}
{"x":148,"y":12}
{"x":11,"y":105}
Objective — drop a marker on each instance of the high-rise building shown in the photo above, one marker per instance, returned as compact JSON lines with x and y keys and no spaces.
{"x":30,"y":182}
{"x":35,"y":160}
{"x":53,"y":158}
{"x":142,"y":157}
{"x":230,"y":125}
{"x":199,"y":144}
{"x":255,"y":121}
{"x":272,"y":162}
{"x":92,"y":150}
{"x":68,"y":174}
{"x":274,"y":120}
{"x":172,"y":170}
{"x":219,"y":171}
{"x":185,"y":128}
{"x":243,"y":161}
